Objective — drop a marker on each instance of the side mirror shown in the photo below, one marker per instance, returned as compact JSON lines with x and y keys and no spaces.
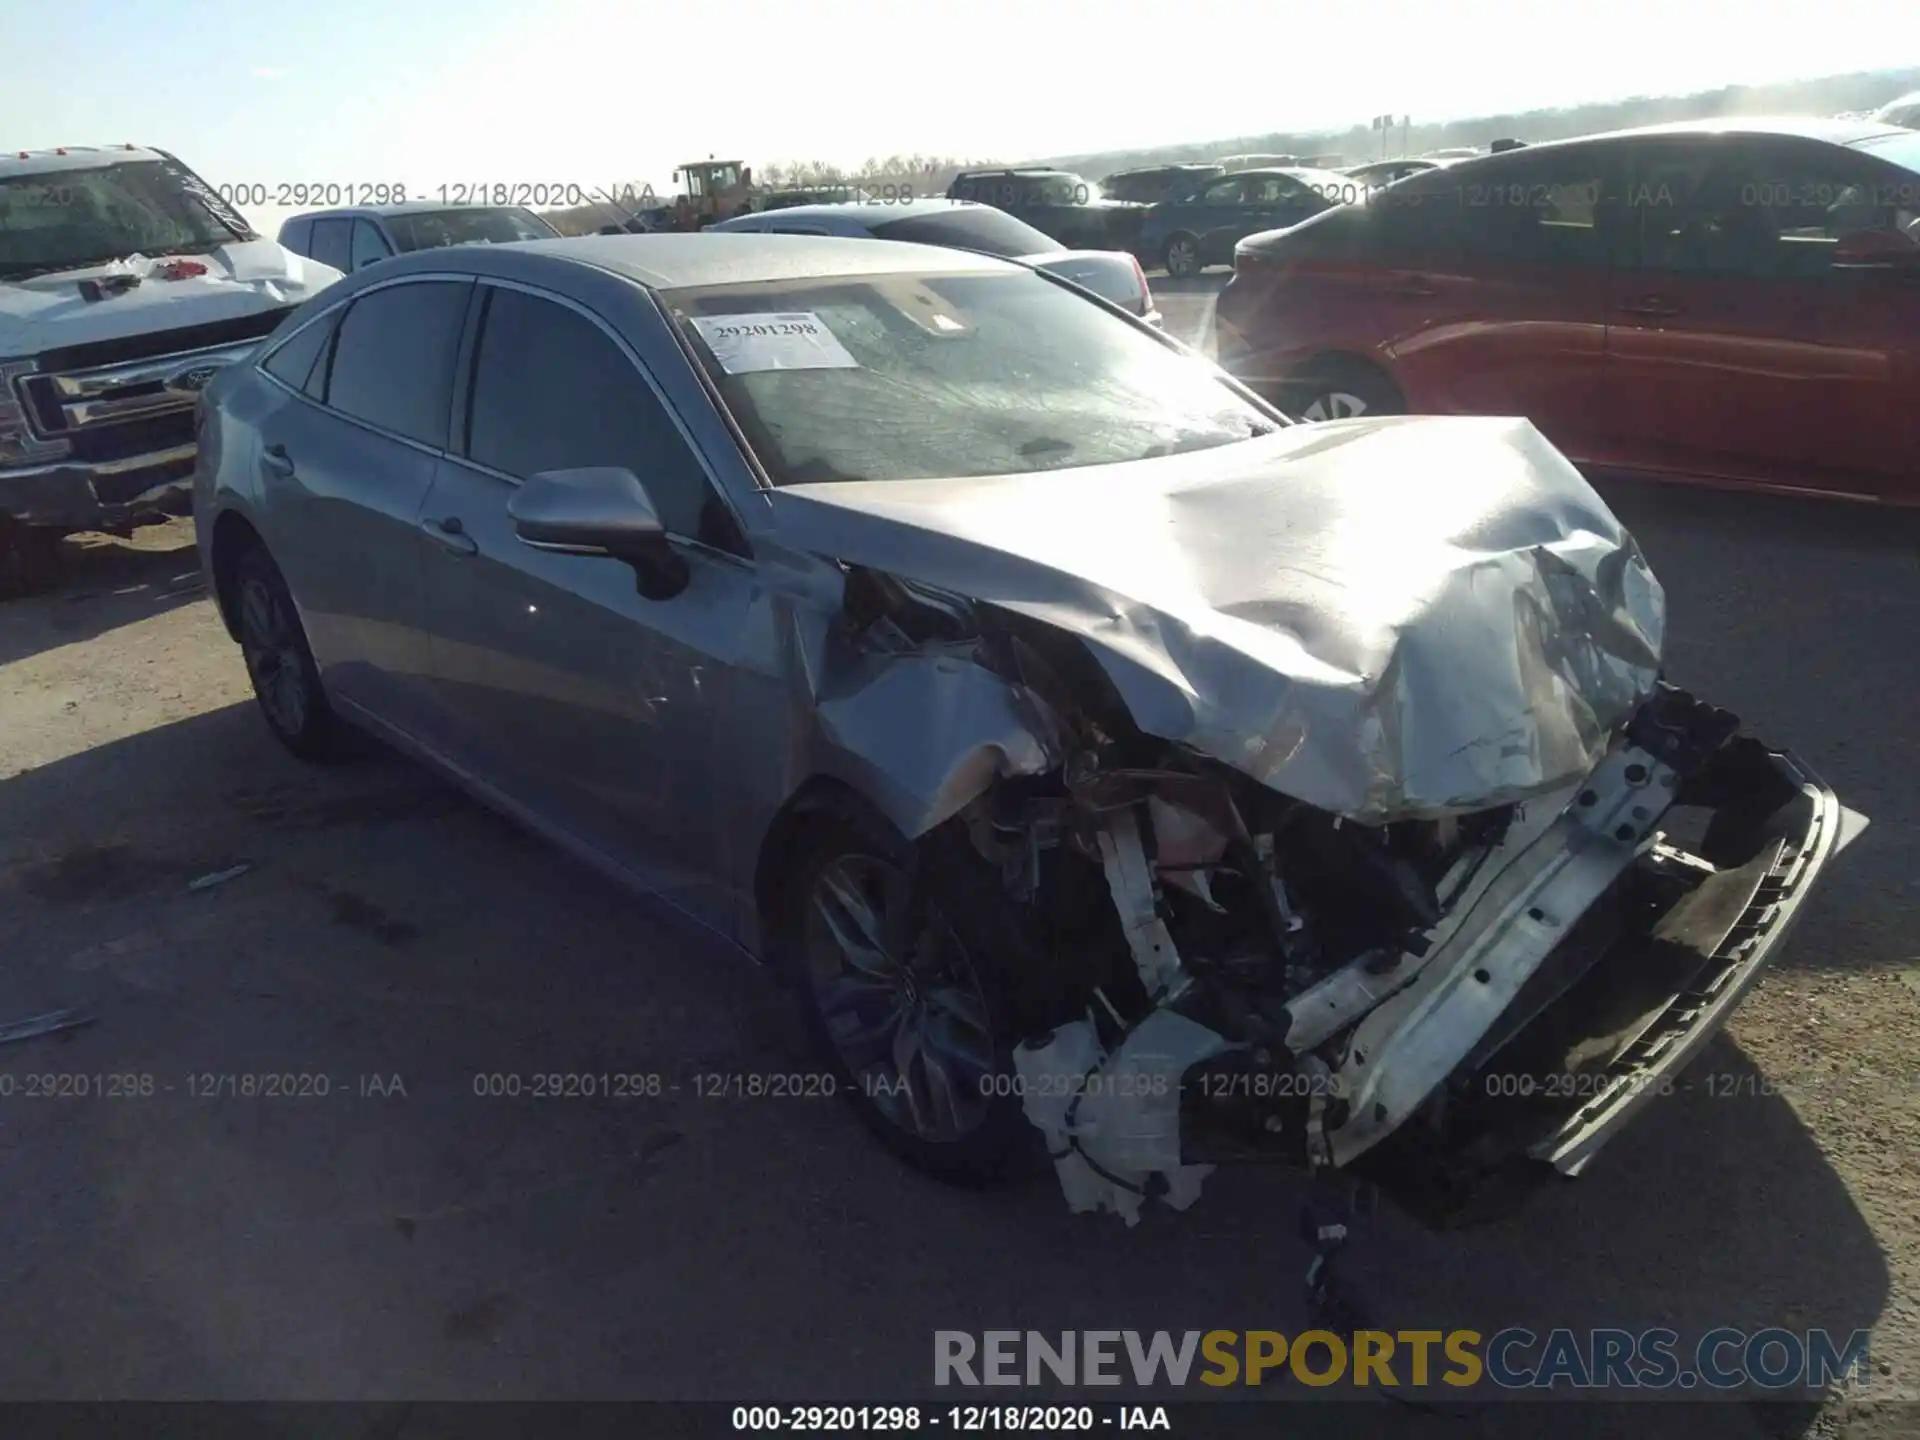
{"x":600,"y":510}
{"x":1876,"y":250}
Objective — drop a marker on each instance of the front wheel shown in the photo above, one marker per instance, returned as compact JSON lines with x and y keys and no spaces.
{"x":1183,"y":257}
{"x":897,"y":961}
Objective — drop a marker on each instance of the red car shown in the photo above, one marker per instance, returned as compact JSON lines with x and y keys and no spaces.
{"x":1732,"y":302}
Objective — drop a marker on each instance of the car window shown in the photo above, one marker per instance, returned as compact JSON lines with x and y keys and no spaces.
{"x":1767,"y":212}
{"x":293,"y":362}
{"x":393,"y":358}
{"x":333,"y":243}
{"x":971,"y":227}
{"x":1229,"y":191}
{"x":1418,"y":222}
{"x":904,"y":377}
{"x":468,"y":225}
{"x":368,"y":244}
{"x":1543,"y":211}
{"x":296,"y":235}
{"x":552,"y":391}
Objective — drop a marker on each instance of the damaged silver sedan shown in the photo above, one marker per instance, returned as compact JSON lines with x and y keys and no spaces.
{"x":1116,"y":768}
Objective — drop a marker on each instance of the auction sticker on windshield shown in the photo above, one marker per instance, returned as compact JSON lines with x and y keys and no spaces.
{"x":746,"y":343}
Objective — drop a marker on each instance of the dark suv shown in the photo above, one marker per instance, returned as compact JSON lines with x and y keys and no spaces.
{"x":1151,"y":184}
{"x":1734,"y":302}
{"x":1058,"y":203}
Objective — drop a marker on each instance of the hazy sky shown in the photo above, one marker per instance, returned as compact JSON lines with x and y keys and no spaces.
{"x":429,"y":92}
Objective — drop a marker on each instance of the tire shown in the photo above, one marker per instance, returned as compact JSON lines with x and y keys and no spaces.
{"x":1183,"y":257}
{"x":286,"y":682}
{"x":30,"y":559}
{"x":943,"y":984}
{"x":1340,"y":390}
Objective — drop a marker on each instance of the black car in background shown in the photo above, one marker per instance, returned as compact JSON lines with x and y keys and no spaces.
{"x":1058,"y":203}
{"x":350,"y":238}
{"x":1148,"y":184}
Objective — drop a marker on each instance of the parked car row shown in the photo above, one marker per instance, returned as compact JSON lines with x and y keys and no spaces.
{"x":926,"y":631}
{"x":1114,"y":275}
{"x":1730,"y":301}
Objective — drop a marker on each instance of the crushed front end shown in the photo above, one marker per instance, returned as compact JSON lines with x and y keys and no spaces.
{"x":1453,"y":1008}
{"x":1337,"y":777}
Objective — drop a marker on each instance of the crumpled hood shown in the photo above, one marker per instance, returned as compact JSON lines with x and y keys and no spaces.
{"x":48,"y":312}
{"x":1386,"y":618}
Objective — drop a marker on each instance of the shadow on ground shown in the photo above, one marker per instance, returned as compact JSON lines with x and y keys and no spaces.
{"x":449,"y":1244}
{"x":106,"y":583}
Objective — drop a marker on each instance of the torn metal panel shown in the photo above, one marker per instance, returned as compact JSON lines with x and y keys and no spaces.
{"x":1131,"y":883}
{"x":1388,"y":619}
{"x":935,"y":730}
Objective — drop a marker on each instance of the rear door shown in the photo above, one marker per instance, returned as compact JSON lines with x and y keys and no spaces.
{"x":332,"y":242}
{"x":345,"y":465}
{"x":1277,"y":202}
{"x":1737,"y":351}
{"x":1491,"y":289}
{"x":369,"y":245}
{"x":1214,"y":217}
{"x":591,"y":706}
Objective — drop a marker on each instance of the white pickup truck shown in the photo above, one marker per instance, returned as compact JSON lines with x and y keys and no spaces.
{"x":125,"y":281}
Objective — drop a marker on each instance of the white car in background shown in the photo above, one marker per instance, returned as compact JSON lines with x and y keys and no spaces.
{"x":1904,"y":112}
{"x":1113,"y":275}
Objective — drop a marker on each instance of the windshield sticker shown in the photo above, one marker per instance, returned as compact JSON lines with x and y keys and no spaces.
{"x":747,"y":343}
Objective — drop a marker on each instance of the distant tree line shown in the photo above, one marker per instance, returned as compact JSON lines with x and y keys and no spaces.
{"x":1831,"y":95}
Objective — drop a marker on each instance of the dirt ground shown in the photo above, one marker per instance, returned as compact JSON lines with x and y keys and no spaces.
{"x":405,"y":1236}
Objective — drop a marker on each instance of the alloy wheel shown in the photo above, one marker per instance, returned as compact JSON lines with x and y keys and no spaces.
{"x":899,"y":998}
{"x":270,"y":644}
{"x":1334,"y":405}
{"x":1182,"y":258}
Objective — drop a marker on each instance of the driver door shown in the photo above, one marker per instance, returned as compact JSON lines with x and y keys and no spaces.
{"x":582,"y":702}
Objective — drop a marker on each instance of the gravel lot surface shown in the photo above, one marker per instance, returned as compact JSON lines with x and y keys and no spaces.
{"x":435,"y":1244}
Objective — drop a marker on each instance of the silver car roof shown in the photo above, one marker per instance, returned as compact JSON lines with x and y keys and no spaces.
{"x":673,"y":262}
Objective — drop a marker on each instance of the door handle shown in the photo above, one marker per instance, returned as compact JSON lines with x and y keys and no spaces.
{"x":451,"y":535}
{"x":1413,"y":287}
{"x":1653,"y":305}
{"x":276,"y":459}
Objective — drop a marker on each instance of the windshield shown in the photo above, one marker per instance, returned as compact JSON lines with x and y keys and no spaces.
{"x":68,"y":219}
{"x":468,"y":225}
{"x":906,"y":377}
{"x":1901,"y":150}
{"x":972,"y":227}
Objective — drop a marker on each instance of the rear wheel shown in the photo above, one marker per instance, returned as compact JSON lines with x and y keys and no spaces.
{"x":899,"y":964}
{"x":30,"y":562}
{"x":1341,"y":390}
{"x":1183,"y":257}
{"x":286,"y":682}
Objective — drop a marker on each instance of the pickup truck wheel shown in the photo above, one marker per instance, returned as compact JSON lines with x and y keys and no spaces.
{"x":286,"y":682}
{"x":29,"y":559}
{"x":896,"y":957}
{"x":1183,"y":257}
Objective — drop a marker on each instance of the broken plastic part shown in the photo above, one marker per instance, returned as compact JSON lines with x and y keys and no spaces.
{"x":1112,"y":1123}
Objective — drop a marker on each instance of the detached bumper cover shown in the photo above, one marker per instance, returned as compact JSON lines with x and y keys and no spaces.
{"x":1654,"y":1060}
